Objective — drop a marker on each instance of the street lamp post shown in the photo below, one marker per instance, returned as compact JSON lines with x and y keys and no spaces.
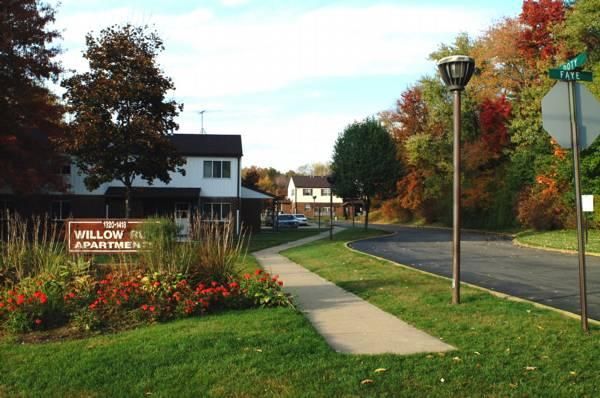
{"x":314,"y":203}
{"x":331,"y":181}
{"x":456,"y":71}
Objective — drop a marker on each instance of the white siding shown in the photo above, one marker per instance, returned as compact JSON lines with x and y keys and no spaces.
{"x":216,"y":187}
{"x":324,"y":199}
{"x":291,"y":188}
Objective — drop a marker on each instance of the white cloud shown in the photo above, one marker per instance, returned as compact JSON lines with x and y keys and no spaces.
{"x":257,"y":53}
{"x":214,"y":57}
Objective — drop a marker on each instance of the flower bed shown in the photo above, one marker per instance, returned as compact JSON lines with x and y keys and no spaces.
{"x":124,"y":298}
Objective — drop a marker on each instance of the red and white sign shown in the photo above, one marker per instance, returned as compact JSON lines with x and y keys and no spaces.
{"x":105,"y":236}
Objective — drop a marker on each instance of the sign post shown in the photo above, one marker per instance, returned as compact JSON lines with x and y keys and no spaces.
{"x":583,"y":110}
{"x":580,"y":236}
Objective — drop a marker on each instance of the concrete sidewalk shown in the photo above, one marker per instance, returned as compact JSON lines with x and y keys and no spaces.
{"x":348,"y":323}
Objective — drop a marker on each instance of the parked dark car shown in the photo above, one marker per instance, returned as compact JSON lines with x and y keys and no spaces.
{"x":287,"y":221}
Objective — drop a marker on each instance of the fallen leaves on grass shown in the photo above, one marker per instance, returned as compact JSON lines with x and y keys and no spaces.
{"x":367,"y":381}
{"x":380,"y":370}
{"x":456,"y":359}
{"x":530,"y":368}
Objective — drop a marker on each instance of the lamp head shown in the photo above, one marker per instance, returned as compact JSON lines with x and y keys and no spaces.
{"x":456,"y":71}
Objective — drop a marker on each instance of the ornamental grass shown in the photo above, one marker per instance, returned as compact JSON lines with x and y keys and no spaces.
{"x":43,"y":287}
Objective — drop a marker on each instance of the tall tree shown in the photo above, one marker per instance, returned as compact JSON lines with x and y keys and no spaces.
{"x":537,"y":38}
{"x":314,"y":169}
{"x":29,"y":113}
{"x":250,"y":177}
{"x":364,"y":163}
{"x":121,"y":118}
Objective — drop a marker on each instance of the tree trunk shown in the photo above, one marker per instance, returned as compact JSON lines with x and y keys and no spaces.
{"x":367,"y":208}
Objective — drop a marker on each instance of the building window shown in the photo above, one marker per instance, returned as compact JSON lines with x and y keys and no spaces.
{"x":61,"y":209}
{"x":217,"y":169}
{"x":307,"y":191}
{"x":307,"y":206}
{"x":324,"y":211}
{"x":216,"y":211}
{"x":325,"y":191}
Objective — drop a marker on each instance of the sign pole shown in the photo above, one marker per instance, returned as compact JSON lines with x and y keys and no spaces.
{"x":580,"y":233}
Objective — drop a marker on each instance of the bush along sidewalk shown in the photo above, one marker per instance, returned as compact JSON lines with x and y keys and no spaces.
{"x":125,"y":298}
{"x":171,"y":280}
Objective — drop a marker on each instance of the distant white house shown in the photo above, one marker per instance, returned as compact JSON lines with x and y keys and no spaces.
{"x":311,"y":196}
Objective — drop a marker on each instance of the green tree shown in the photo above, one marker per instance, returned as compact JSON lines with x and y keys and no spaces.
{"x":29,"y":112}
{"x":121,"y":120}
{"x":364,"y":163}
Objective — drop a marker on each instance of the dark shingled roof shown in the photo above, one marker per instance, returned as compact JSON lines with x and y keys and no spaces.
{"x":225,"y":145}
{"x":311,"y":182}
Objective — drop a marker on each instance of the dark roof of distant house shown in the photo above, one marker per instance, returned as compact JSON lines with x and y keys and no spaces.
{"x":259,"y":190}
{"x":311,"y":182}
{"x":227,"y":145}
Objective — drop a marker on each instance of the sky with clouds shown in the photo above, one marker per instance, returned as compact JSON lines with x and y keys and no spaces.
{"x":286,"y":75}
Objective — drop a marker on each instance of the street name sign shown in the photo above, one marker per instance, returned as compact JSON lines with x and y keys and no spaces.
{"x":570,"y":75}
{"x":575,"y":63}
{"x":105,"y":236}
{"x":556,"y":115}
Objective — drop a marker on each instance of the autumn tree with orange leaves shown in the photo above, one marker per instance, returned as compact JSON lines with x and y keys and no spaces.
{"x":512,"y":170}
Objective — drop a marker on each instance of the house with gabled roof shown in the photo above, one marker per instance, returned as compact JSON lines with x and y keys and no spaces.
{"x":311,"y":196}
{"x":211,"y":187}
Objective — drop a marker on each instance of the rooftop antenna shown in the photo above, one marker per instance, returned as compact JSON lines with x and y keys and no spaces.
{"x":202,"y":131}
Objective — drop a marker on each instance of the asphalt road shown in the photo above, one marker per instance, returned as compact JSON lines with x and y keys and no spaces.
{"x":492,"y":261}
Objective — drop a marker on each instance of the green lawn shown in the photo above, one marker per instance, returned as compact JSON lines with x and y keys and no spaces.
{"x":268,"y":238}
{"x":563,"y":239}
{"x":497,"y":338}
{"x":275,"y":352}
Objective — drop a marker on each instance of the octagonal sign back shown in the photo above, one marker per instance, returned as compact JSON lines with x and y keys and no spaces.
{"x":556,"y":117}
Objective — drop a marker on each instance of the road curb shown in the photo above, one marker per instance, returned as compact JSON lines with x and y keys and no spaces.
{"x":517,"y":243}
{"x":484,"y":289}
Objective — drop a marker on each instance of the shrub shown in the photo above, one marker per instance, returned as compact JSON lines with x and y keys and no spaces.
{"x":262,"y":289}
{"x":165,"y":252}
{"x":541,"y":207}
{"x":30,"y":247}
{"x":33,"y":304}
{"x":218,"y":250}
{"x":392,"y":211}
